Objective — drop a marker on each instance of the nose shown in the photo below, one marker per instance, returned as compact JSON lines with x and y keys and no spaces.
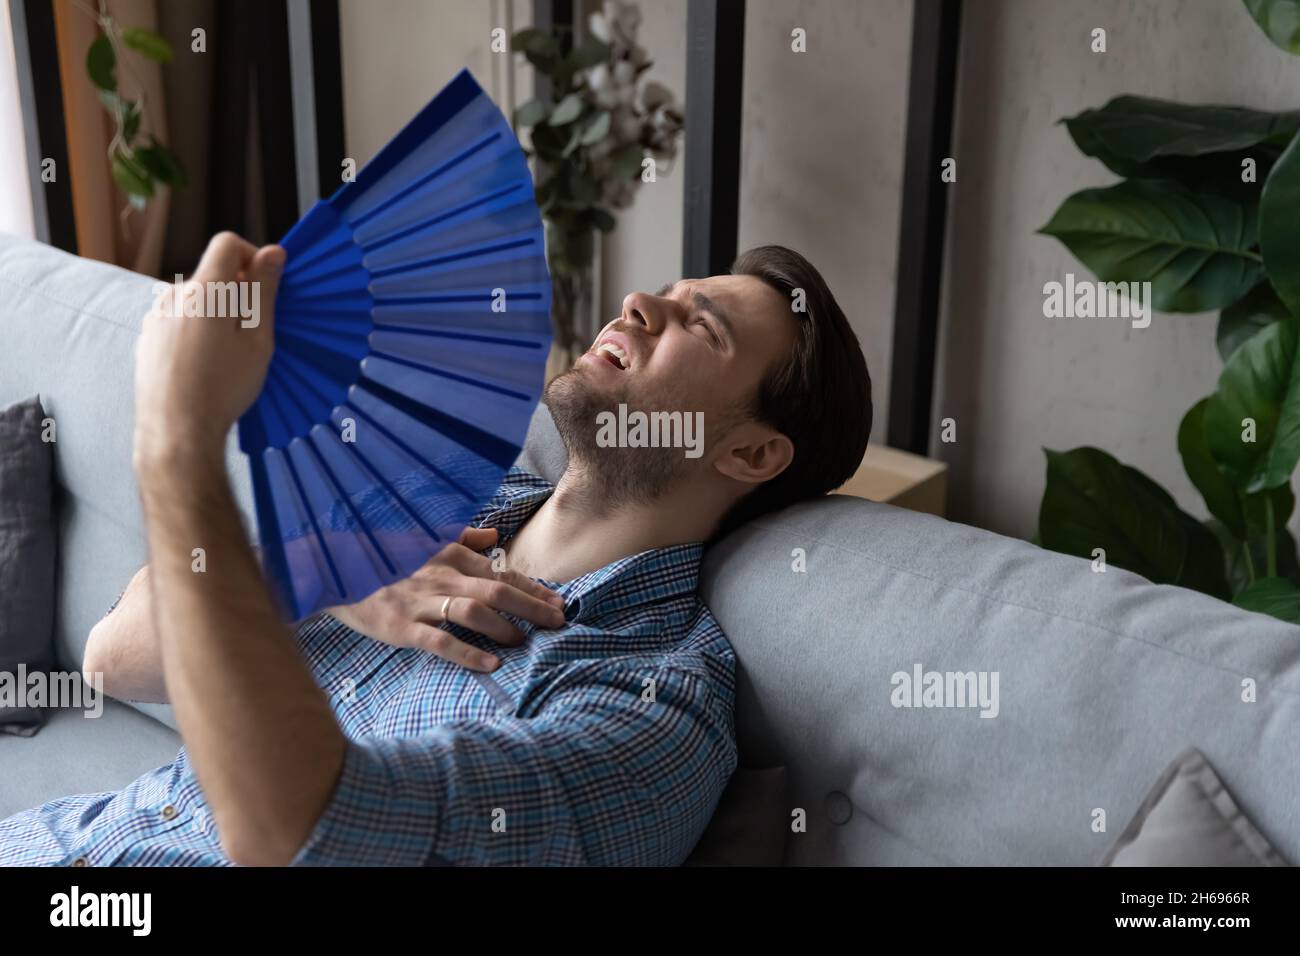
{"x":648,"y":311}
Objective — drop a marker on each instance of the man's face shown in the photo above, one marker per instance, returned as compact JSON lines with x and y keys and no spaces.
{"x":697,"y":345}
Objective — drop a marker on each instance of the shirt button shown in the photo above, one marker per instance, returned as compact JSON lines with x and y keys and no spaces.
{"x":168,"y":812}
{"x":80,"y":861}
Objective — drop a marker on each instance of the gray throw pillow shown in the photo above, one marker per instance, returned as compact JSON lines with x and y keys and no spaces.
{"x":1190,"y":819}
{"x":750,"y":824}
{"x":27,"y":543}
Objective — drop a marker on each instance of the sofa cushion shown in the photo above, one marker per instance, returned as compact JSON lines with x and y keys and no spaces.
{"x":27,"y":539}
{"x":1190,"y":819}
{"x":74,"y":753}
{"x":1098,"y":677}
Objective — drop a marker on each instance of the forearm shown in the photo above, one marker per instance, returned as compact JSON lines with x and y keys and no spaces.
{"x":264,"y":743}
{"x":123,"y":647}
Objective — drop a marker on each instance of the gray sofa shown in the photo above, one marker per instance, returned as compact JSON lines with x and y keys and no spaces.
{"x":1103,"y":678}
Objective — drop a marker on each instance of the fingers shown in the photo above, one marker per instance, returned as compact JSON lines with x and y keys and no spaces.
{"x":477,"y":616}
{"x":461,"y":557}
{"x":478,"y":539}
{"x":508,"y":597}
{"x":442,"y":644}
{"x":263,"y":272}
{"x":226,"y":255}
{"x":467,"y":562}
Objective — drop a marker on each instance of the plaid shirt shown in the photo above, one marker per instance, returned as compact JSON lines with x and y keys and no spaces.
{"x":606,"y":741}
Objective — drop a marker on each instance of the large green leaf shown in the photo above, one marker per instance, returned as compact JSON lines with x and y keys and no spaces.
{"x":1259,"y":383}
{"x":1195,"y":249}
{"x":1093,"y":501}
{"x":531,"y":113}
{"x":161,"y":163}
{"x":596,"y":129}
{"x":1243,"y":515}
{"x":1220,"y":494}
{"x":549,"y":141}
{"x":1280,"y":19}
{"x":1241,"y":569}
{"x":1279,"y":597}
{"x":1201,"y":146}
{"x":1240,"y":321}
{"x":147,"y":43}
{"x":534,"y":40}
{"x":100,"y":61}
{"x":1279,"y":227}
{"x":567,"y":110}
{"x":588,"y":53}
{"x":131,"y":177}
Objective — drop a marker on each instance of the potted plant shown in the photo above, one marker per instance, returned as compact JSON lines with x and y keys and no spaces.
{"x":1209,"y":214}
{"x":599,"y":134}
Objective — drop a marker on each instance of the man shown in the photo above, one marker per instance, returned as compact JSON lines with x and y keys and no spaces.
{"x":575,"y":708}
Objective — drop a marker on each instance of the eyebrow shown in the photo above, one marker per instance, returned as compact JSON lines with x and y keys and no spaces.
{"x":705,"y":304}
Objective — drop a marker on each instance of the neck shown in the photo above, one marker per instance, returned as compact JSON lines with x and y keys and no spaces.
{"x":577,"y":529}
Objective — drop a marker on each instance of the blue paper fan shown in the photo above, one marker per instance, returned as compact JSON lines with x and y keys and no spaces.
{"x":412,"y":327}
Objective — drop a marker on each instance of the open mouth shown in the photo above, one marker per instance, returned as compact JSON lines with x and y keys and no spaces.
{"x":614,"y":355}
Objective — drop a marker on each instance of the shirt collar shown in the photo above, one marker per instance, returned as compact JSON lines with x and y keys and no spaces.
{"x":650,"y":576}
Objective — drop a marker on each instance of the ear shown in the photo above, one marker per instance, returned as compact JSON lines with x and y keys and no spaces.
{"x":754,"y":453}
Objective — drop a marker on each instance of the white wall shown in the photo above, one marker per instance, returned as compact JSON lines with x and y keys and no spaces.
{"x":15,"y":195}
{"x":398,"y":53}
{"x":1014,"y":380}
{"x":822,"y":159}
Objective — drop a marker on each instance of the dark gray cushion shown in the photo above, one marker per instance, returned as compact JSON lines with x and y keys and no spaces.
{"x":27,"y":541}
{"x":750,"y":824}
{"x":1190,"y":819}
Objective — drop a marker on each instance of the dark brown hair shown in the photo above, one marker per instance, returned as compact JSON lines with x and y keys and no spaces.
{"x":819,"y":396}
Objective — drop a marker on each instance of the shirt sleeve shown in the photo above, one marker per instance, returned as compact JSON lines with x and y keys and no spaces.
{"x":620,"y":766}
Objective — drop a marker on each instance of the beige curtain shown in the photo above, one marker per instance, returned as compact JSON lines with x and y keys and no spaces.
{"x":107,"y":228}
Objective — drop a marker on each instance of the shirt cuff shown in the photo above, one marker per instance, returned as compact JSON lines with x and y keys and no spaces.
{"x":369,"y":819}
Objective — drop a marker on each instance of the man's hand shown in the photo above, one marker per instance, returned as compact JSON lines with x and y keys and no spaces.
{"x":196,"y":374}
{"x":407,"y":613}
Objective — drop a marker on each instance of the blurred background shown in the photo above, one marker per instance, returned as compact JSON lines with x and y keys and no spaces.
{"x":788,"y":121}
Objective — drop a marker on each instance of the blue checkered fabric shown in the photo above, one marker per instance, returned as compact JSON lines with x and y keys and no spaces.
{"x":606,"y":741}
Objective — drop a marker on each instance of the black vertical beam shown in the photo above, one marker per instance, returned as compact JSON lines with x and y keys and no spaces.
{"x":231,"y":45}
{"x":715,"y":36}
{"x":274,"y":103}
{"x":936,"y":32}
{"x":40,"y":91}
{"x":552,"y":15}
{"x":327,"y":74}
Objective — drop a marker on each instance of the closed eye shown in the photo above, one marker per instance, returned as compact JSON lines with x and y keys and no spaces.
{"x":713,"y":335}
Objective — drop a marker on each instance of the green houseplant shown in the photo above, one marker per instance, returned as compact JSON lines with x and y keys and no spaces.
{"x":1209,"y":214}
{"x":597,"y":137}
{"x":139,"y":163}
